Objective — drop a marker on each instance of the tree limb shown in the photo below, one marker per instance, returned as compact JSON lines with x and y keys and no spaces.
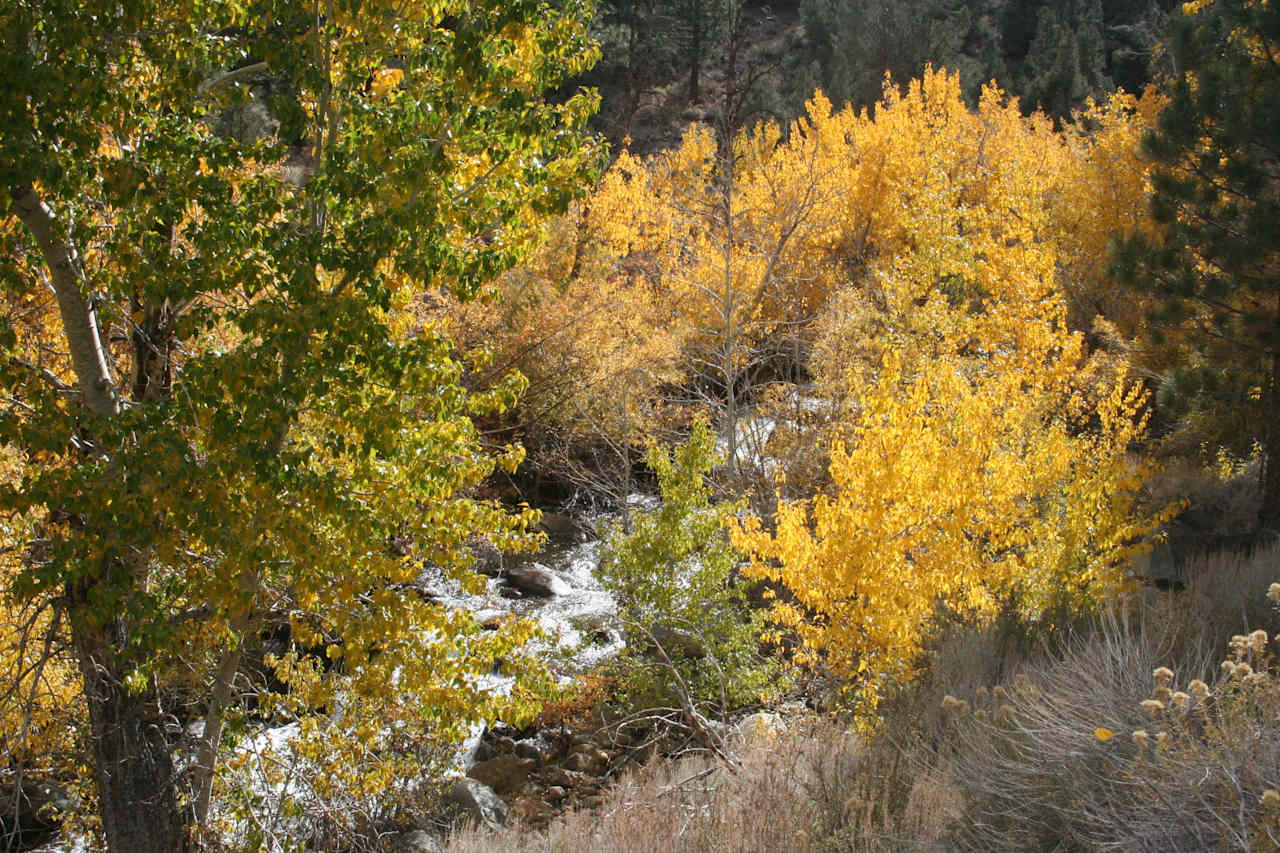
{"x":79,"y":318}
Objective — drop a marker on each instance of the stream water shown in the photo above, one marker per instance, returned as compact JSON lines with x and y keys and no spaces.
{"x":577,"y":615}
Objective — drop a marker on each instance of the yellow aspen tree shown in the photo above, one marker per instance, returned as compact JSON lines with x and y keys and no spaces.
{"x":1103,"y":193}
{"x":968,"y":466}
{"x":722,"y":231}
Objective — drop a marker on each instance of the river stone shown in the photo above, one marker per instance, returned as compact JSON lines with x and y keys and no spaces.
{"x":504,"y":774}
{"x":599,"y":619}
{"x":562,"y":778}
{"x":492,"y":619}
{"x":536,"y":579}
{"x":479,"y":802}
{"x":563,"y":529}
{"x":761,"y":727}
{"x":488,"y":558}
{"x":535,"y":749}
{"x":588,"y":759}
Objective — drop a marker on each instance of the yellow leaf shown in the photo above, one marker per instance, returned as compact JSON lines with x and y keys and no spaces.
{"x":386,"y":79}
{"x":1103,"y":735}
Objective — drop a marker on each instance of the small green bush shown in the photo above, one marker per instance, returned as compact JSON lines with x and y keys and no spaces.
{"x":689,"y":629}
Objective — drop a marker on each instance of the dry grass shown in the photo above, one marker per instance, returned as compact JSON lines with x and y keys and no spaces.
{"x":1225,"y":596}
{"x":815,"y":787}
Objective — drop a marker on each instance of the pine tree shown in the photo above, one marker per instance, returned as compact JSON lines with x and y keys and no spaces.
{"x":1214,"y":272}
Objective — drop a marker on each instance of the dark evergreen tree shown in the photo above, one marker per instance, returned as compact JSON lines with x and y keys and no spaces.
{"x":1066,"y":60}
{"x":857,"y":41}
{"x":1214,"y":275}
{"x":638,"y":47}
{"x":699,"y":28}
{"x":1131,"y":30}
{"x":1051,"y":54}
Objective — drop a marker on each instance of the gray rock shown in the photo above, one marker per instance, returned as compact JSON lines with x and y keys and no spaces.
{"x":504,"y":774}
{"x":678,"y":643}
{"x":582,"y":738}
{"x":534,"y":749}
{"x":536,"y":579}
{"x":588,"y":759}
{"x":413,"y":841}
{"x":488,"y":558}
{"x":601,"y":619}
{"x":759,"y":727}
{"x":491,"y":619}
{"x":478,"y":802}
{"x":562,"y":529}
{"x":559,"y":777}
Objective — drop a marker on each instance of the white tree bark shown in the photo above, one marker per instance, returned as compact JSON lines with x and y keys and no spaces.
{"x":79,"y":318}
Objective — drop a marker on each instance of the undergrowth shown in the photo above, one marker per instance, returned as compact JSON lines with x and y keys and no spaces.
{"x":1155,"y":727}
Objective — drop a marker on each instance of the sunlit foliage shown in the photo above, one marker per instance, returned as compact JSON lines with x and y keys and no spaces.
{"x":977,"y":458}
{"x":226,"y":424}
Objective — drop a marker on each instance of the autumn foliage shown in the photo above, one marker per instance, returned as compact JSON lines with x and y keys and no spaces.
{"x":924,"y":274}
{"x":979,"y":458}
{"x":907,"y":304}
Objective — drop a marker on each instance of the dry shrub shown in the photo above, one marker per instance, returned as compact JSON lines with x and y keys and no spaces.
{"x":813,"y":787}
{"x":1037,"y":777}
{"x":1224,"y":596}
{"x":1222,"y":500}
{"x":1067,"y":757}
{"x":1058,"y":769}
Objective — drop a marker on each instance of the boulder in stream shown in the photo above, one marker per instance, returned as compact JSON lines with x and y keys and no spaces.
{"x":413,"y":841}
{"x":564,"y":529}
{"x":488,"y":559}
{"x":504,"y":774}
{"x":536,"y":579}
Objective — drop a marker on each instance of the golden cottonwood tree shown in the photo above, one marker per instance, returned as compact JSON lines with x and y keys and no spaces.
{"x":1103,"y":193}
{"x":720,"y":230}
{"x":929,"y":266}
{"x":220,"y":421}
{"x":745,"y":246}
{"x":977,"y":458}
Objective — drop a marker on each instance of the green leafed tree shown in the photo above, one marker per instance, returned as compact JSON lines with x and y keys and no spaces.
{"x":222,"y":414}
{"x":1214,"y":274}
{"x":693,"y":640}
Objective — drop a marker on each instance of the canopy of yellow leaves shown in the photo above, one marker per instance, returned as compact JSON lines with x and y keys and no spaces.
{"x":977,"y":456}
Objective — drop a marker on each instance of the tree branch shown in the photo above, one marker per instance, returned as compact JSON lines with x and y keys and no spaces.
{"x":79,"y":318}
{"x":233,"y":76}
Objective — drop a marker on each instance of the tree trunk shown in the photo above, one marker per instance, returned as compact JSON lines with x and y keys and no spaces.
{"x":695,"y":62}
{"x":132,"y":757}
{"x":1269,"y":515}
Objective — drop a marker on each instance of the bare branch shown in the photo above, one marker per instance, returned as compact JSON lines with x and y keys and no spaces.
{"x":233,"y":76}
